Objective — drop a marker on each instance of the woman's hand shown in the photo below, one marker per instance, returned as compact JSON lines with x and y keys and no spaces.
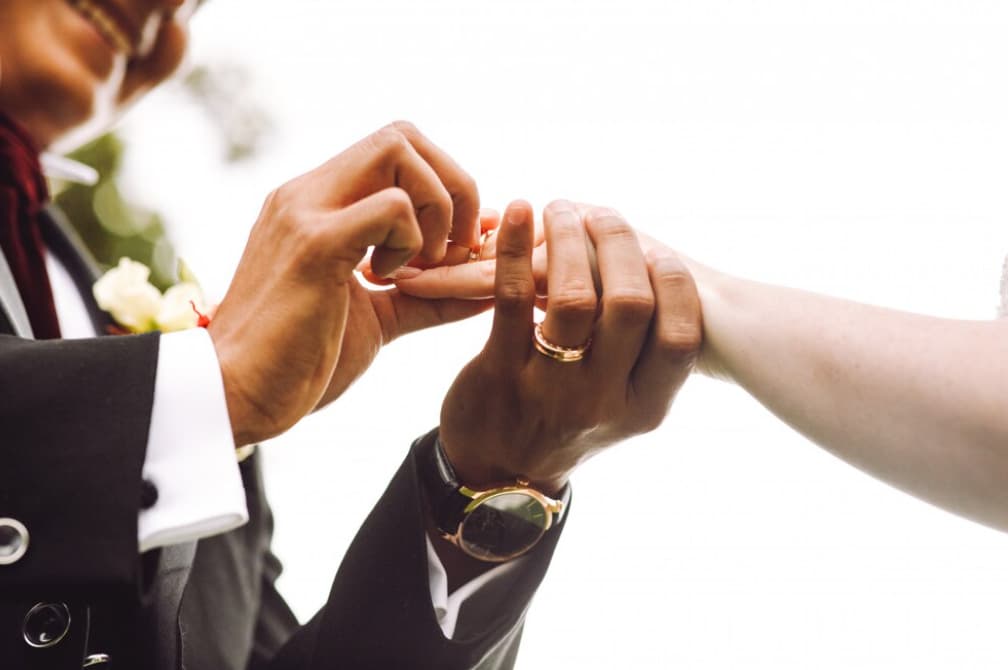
{"x":475,"y":280}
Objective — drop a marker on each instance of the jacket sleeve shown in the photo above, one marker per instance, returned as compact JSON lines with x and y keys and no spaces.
{"x":379,"y":612}
{"x":74,"y":418}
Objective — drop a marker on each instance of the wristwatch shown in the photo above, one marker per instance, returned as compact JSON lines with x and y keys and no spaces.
{"x":495,"y":524}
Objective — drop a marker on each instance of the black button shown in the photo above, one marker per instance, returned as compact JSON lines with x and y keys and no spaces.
{"x":148,"y":494}
{"x":13,"y":541}
{"x":46,"y":625}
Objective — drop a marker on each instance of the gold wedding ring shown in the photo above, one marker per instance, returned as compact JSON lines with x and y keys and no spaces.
{"x":484,"y":238}
{"x":555,"y":351}
{"x":476,"y":254}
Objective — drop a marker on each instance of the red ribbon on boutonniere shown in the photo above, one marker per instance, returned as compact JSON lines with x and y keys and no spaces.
{"x":202,"y":320}
{"x":138,"y":306}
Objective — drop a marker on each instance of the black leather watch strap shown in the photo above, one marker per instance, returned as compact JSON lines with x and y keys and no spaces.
{"x":440,"y":483}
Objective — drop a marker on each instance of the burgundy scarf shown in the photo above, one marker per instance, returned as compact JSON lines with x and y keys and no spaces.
{"x":23,"y":194}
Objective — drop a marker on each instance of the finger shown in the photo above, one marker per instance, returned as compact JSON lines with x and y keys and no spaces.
{"x":384,"y":220}
{"x":572,"y":299}
{"x":628,"y":301}
{"x":464,"y":279}
{"x":470,"y":281}
{"x":462,"y":188}
{"x":382,"y":160}
{"x":675,"y":337}
{"x":457,"y":254}
{"x":486,"y":248}
{"x":489,"y":219}
{"x":431,"y":200}
{"x":514,"y":289}
{"x":408,"y":314}
{"x":540,"y":270}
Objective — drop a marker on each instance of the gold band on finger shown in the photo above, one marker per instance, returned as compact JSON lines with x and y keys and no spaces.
{"x":555,"y":351}
{"x":484,"y":238}
{"x":476,"y":253}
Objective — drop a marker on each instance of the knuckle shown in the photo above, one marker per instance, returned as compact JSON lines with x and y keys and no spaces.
{"x":466,"y":195}
{"x":487,"y":271}
{"x":629,"y":305}
{"x":311,"y":247}
{"x":388,"y":142}
{"x":680,"y":342}
{"x":565,"y":226}
{"x":398,"y":203}
{"x":281,"y":197}
{"x":673,"y":276}
{"x":563,"y":221}
{"x":270,"y":201}
{"x":444,"y":206}
{"x":468,"y":189}
{"x":607,"y":223}
{"x":596,"y":212}
{"x":406,"y":129}
{"x":560,"y":205}
{"x":514,"y":292}
{"x":649,"y":422}
{"x":575,"y":300}
{"x":280,"y":209}
{"x":668,"y":267}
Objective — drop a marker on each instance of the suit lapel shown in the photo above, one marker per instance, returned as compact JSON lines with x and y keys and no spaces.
{"x":14,"y":315}
{"x":64,"y":242}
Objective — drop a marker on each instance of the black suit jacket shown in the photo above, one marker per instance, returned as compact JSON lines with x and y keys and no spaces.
{"x":74,"y":416}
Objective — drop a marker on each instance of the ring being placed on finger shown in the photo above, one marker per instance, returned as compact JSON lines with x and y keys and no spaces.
{"x":555,"y":351}
{"x":484,"y":238}
{"x":476,"y":253}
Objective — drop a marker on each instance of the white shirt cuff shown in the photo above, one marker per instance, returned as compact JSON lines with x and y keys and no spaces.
{"x":447,"y":607}
{"x":190,"y":450}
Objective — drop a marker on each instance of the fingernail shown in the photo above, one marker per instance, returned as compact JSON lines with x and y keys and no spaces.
{"x":405,"y":272}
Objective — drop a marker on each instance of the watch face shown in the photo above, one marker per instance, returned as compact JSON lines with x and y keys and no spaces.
{"x":503,"y":526}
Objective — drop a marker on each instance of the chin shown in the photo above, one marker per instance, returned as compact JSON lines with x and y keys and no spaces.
{"x":54,"y":82}
{"x":64,"y":107}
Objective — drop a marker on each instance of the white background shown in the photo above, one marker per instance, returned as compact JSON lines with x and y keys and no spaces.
{"x":856,"y":148}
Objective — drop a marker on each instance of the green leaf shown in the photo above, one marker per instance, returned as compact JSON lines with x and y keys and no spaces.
{"x":185,"y":274}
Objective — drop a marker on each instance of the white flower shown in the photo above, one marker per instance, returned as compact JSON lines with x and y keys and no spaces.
{"x":126,"y":294}
{"x":176,"y":311}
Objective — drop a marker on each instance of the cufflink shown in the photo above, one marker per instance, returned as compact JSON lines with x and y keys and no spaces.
{"x":148,"y":494}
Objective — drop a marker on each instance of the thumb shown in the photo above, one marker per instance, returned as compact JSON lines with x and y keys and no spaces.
{"x":409,"y":314}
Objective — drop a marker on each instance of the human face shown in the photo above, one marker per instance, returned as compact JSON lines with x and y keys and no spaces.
{"x":64,"y":62}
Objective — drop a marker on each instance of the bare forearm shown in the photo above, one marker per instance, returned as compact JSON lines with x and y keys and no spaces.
{"x":917,"y":401}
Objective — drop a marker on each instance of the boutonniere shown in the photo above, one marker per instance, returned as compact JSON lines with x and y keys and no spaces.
{"x":139,"y":307}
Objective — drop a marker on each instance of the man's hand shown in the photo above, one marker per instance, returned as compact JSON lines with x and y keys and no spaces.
{"x":513,"y":411}
{"x":280,"y":330}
